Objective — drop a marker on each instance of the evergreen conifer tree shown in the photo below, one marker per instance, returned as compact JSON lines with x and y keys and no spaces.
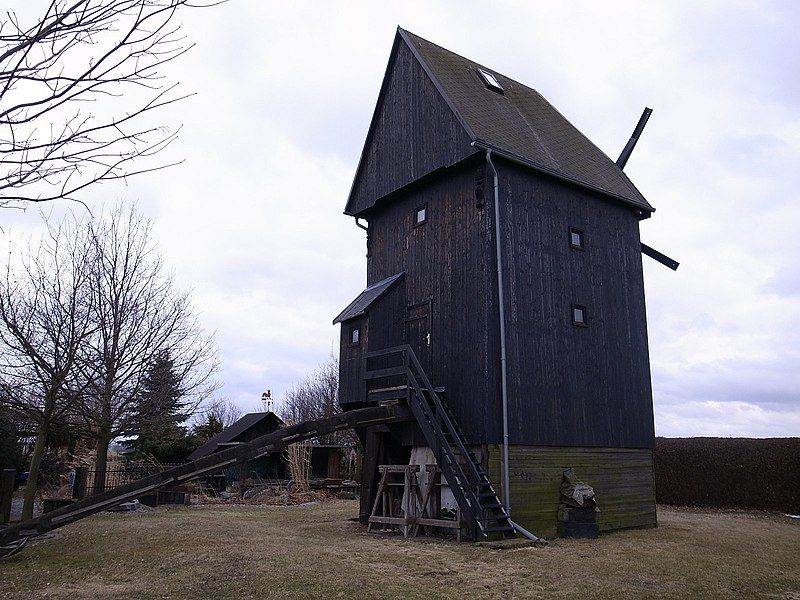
{"x":161,"y":412}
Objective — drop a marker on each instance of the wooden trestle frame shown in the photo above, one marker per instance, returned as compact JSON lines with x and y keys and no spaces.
{"x":384,"y":509}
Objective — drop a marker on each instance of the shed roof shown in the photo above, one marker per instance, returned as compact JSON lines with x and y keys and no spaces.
{"x":365,"y":299}
{"x":519,"y":124}
{"x":230,"y":433}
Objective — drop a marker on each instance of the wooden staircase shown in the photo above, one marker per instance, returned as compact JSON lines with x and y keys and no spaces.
{"x":481,"y":509}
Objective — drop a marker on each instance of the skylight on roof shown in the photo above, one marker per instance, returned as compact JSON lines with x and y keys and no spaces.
{"x":490,"y":81}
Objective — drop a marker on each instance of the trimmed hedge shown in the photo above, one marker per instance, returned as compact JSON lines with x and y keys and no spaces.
{"x":729,"y":473}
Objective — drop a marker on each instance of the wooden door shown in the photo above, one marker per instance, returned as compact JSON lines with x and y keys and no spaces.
{"x":418,"y":332}
{"x":354,"y":337}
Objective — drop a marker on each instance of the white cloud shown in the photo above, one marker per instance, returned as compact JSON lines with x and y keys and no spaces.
{"x":252,"y":221}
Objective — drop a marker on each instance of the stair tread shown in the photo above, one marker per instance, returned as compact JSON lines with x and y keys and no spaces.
{"x":503,"y":517}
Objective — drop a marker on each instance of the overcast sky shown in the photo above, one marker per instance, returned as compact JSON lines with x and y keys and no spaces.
{"x":252,"y":220}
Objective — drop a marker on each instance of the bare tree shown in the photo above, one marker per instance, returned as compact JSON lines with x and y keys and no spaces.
{"x":139,"y":315}
{"x":316,"y":397}
{"x":216,"y":416}
{"x":77,"y":88}
{"x":224,"y":410}
{"x":45,"y":320}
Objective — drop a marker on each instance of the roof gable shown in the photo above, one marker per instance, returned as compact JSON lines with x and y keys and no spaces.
{"x":412,"y":133}
{"x":518,"y":124}
{"x":235,"y":430}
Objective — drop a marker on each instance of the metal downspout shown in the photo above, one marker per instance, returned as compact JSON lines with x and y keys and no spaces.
{"x":502,"y":313}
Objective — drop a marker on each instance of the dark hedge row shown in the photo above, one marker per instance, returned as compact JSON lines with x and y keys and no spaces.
{"x":729,"y":473}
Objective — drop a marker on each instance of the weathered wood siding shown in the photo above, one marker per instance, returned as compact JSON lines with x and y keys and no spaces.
{"x":448,"y":261}
{"x":569,"y":385}
{"x":622,"y":479}
{"x":386,"y":319}
{"x":413,"y":132}
{"x":351,"y":383}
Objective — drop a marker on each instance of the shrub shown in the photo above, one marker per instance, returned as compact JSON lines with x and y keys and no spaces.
{"x":729,"y":473}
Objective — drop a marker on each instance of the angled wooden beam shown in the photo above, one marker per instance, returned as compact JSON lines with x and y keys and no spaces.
{"x":241,"y":453}
{"x":626,"y":152}
{"x":662,"y":258}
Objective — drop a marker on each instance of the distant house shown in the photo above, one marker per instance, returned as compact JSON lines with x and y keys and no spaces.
{"x":325,"y":459}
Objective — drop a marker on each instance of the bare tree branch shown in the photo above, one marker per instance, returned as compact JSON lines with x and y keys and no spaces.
{"x":316,"y":397}
{"x":45,"y":320}
{"x":77,"y":91}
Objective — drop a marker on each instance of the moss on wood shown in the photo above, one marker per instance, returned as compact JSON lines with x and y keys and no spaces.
{"x":622,"y":479}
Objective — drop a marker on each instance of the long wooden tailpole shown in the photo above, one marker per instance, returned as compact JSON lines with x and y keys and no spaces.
{"x":208,"y":464}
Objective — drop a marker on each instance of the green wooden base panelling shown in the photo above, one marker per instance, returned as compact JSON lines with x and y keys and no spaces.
{"x":622,"y":479}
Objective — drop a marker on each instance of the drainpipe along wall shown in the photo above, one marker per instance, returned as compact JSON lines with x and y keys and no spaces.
{"x":502,"y":314}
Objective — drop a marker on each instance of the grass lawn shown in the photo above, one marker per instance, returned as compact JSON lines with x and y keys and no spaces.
{"x":314,"y":551}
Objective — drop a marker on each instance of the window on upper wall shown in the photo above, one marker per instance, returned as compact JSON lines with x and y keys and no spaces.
{"x":576,"y":239}
{"x":355,"y":335}
{"x":420,"y":215}
{"x":579,"y":318}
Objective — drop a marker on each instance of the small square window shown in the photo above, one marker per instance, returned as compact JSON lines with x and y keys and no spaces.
{"x":576,"y":239}
{"x":490,"y":81}
{"x":355,"y":334}
{"x":420,"y":216}
{"x":579,"y":315}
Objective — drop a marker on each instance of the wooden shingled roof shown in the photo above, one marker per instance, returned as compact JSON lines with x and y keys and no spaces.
{"x":518,"y":124}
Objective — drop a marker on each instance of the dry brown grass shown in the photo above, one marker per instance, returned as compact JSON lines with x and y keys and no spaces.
{"x":314,"y":551}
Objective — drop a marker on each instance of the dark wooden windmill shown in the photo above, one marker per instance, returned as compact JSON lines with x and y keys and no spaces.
{"x":505,"y":297}
{"x":502,"y":333}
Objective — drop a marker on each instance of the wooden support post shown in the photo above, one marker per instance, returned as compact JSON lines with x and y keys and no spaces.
{"x":409,"y":501}
{"x":369,"y":471}
{"x":79,"y":484}
{"x":431,"y":503}
{"x":6,"y":494}
{"x":378,"y":498}
{"x":242,"y":478}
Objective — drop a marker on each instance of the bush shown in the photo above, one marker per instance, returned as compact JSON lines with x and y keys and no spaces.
{"x":729,"y":473}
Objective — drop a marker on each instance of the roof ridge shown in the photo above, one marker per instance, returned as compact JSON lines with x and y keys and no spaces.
{"x":482,"y":66}
{"x":555,"y":144}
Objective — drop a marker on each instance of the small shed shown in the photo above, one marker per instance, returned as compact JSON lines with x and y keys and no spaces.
{"x":247,"y":428}
{"x":326,"y":459}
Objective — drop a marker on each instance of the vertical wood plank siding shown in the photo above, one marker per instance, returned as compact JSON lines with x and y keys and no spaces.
{"x":622,"y":480}
{"x":414,"y":132}
{"x":568,"y":385}
{"x":448,"y":260}
{"x":351,"y":383}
